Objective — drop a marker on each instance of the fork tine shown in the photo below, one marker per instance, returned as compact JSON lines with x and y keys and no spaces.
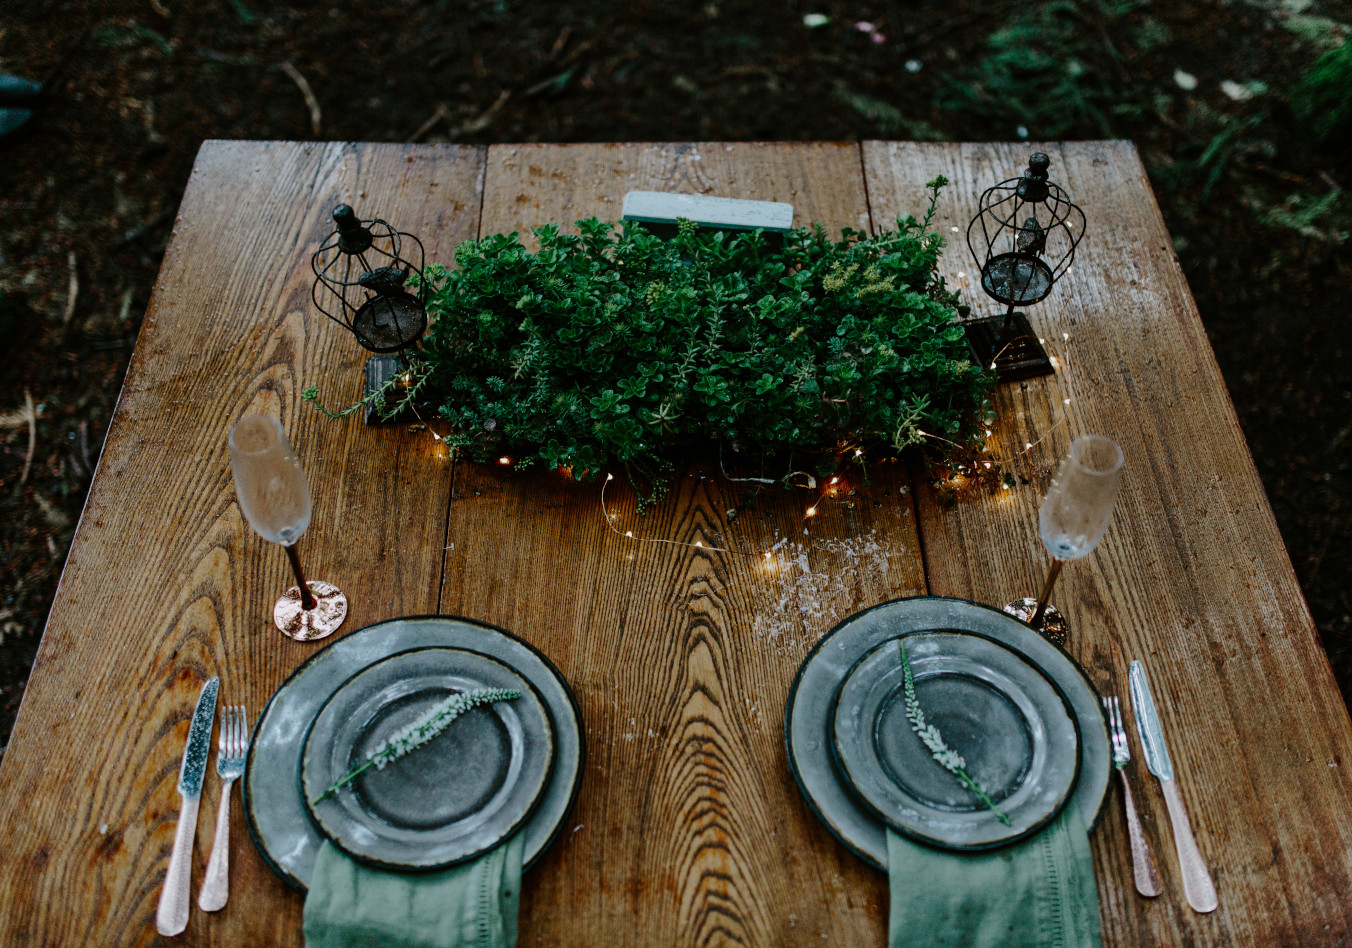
{"x":238,"y":750}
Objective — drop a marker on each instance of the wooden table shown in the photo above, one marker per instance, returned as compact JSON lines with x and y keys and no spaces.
{"x":688,"y":828}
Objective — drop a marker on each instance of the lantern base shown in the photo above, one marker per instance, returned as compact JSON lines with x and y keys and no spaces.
{"x":1012,"y":351}
{"x":379,"y":370}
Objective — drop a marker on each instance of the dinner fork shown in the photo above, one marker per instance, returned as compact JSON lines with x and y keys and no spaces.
{"x":1142,"y":865}
{"x":234,"y":747}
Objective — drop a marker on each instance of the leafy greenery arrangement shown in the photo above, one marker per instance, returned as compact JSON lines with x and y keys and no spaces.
{"x":621,"y":347}
{"x":948,"y":758}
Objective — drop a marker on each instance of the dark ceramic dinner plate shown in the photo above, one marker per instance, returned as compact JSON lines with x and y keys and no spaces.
{"x":809,"y":712}
{"x":1008,"y":723}
{"x":274,"y":805}
{"x":460,"y":794}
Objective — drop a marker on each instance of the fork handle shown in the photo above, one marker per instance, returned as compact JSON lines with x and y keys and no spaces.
{"x":216,"y":886}
{"x":171,"y":917}
{"x":1142,"y":865}
{"x":1197,"y":885}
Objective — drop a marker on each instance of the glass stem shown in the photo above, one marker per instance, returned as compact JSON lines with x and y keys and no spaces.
{"x":307,"y":600}
{"x":1054,"y":572}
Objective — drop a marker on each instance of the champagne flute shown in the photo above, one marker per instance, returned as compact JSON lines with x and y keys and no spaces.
{"x":1072,"y":520}
{"x":275,"y":498}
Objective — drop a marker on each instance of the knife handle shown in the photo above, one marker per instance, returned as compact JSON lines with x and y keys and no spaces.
{"x":172,"y":915}
{"x":1197,"y":884}
{"x":1142,"y":865}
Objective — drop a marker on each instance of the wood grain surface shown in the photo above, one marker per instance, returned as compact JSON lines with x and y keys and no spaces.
{"x":167,"y":586}
{"x":1191,"y":578}
{"x":688,"y":829}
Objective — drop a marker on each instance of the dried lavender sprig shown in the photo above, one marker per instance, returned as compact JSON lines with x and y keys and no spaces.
{"x":432,"y":723}
{"x":950,"y":759}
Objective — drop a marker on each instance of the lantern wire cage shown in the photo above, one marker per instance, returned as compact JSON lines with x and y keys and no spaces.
{"x":363,"y":270}
{"x":1024,"y":237}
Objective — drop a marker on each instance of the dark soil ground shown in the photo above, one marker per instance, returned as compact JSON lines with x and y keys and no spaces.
{"x":1233,"y":109}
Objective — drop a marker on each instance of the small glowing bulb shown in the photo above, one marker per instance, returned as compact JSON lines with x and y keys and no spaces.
{"x":767,"y":554}
{"x":1066,"y":402}
{"x":812,"y":511}
{"x":992,"y":365}
{"x":962,"y":274}
{"x":988,"y":465}
{"x":1005,"y":486}
{"x":610,"y":477}
{"x":1065,"y":336}
{"x":629,"y":534}
{"x":988,"y":432}
{"x":504,"y":460}
{"x":835,"y":480}
{"x":1052,"y":360}
{"x":699,"y":543}
{"x":955,"y":230}
{"x":1041,"y":341}
{"x":857,"y":452}
{"x":1027,"y":445}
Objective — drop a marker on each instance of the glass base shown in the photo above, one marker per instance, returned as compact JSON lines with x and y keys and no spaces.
{"x":307,"y":625}
{"x":1053,"y":625}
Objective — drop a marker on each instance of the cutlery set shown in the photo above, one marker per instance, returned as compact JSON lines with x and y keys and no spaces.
{"x":1198,"y":888}
{"x":171,"y":918}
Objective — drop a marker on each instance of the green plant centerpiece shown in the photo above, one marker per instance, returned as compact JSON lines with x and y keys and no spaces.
{"x":617,"y":347}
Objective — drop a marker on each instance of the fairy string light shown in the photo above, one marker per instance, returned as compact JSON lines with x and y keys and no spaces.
{"x":830,"y":490}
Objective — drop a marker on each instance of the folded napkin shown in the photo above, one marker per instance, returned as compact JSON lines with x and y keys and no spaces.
{"x":1036,"y":893}
{"x":473,"y":905}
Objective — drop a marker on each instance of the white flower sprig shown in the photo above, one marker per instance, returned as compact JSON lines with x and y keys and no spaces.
{"x":437,"y":718}
{"x":950,"y":759}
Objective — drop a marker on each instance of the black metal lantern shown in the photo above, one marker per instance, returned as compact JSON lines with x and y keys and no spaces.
{"x":1024,"y":238}
{"x":361,"y":272}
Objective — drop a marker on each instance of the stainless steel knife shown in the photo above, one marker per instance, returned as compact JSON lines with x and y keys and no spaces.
{"x":1197,"y":885}
{"x":172,"y":914}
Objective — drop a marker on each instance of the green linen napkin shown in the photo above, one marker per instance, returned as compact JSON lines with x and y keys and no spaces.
{"x":473,"y":905}
{"x":1036,"y":893}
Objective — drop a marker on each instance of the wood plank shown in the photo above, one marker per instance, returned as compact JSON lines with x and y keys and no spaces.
{"x":689,"y":828}
{"x":1192,"y":577}
{"x":166,"y":586}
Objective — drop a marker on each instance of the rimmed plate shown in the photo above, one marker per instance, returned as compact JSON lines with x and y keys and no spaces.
{"x":274,"y":806}
{"x":1009,"y":723}
{"x":808,"y":714}
{"x":458,"y":795}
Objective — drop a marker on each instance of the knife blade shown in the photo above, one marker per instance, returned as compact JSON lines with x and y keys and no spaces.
{"x":171,"y":917}
{"x":197,"y":753}
{"x":1197,"y":885}
{"x":1148,"y":724}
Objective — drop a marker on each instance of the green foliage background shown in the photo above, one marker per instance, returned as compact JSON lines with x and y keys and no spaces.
{"x":621,"y":347}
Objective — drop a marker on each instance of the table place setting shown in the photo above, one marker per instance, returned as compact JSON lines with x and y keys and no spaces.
{"x":405,"y":775}
{"x":961,"y":749}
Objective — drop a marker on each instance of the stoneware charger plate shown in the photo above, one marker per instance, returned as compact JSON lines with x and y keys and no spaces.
{"x":455,"y":797}
{"x":274,"y":805}
{"x":1008,"y":722}
{"x":809,"y":712}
